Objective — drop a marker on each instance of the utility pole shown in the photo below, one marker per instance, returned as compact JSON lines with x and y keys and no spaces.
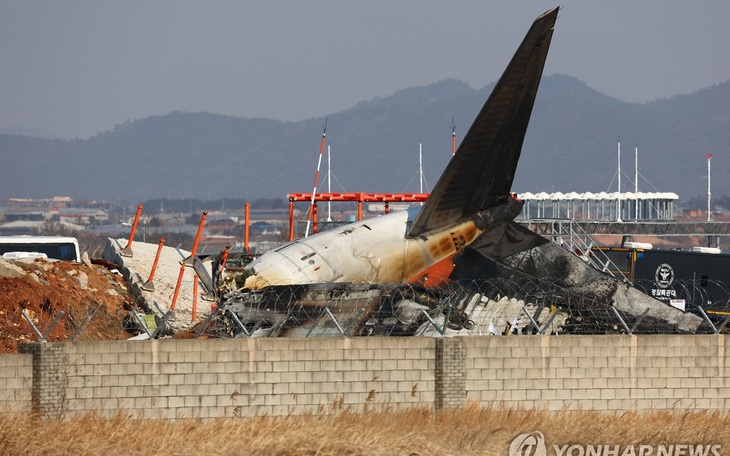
{"x":709,"y":193}
{"x":618,"y":201}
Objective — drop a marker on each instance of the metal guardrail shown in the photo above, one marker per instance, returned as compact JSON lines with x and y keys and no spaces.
{"x":571,"y":235}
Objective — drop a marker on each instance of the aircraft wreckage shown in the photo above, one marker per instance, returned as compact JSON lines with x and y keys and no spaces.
{"x":494,"y":275}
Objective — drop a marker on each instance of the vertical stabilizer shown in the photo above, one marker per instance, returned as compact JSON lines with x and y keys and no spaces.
{"x":480,"y":174}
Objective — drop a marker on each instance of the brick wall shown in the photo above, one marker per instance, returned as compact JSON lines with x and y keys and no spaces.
{"x":450,"y":373}
{"x":49,"y":388}
{"x":249,"y":377}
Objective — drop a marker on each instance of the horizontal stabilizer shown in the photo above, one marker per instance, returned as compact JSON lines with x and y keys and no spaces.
{"x":506,"y":239}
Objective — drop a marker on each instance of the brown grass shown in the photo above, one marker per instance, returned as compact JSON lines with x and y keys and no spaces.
{"x":469,"y":431}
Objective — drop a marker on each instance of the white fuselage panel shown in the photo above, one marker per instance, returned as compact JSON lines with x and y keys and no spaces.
{"x":369,"y":251}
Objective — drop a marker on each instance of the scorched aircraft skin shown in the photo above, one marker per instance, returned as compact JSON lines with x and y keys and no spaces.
{"x":469,"y":206}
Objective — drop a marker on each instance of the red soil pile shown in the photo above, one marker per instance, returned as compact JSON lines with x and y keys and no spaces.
{"x":45,"y":289}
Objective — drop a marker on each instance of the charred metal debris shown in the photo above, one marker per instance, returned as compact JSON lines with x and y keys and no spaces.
{"x":506,"y":302}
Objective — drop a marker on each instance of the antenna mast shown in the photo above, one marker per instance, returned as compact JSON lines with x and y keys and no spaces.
{"x":636,"y":183}
{"x":709,"y":194}
{"x":618,"y":202}
{"x":453,"y":137}
{"x":316,"y":178}
{"x":329,"y":184}
{"x":420,"y":166}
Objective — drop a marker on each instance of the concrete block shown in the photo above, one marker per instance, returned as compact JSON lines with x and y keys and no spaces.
{"x":84,"y":393}
{"x":593,"y":372}
{"x":387,"y":387}
{"x":137,"y":391}
{"x":563,"y":394}
{"x":99,"y":358}
{"x":83,"y":370}
{"x":418,"y":375}
{"x":696,"y":393}
{"x":651,"y":393}
{"x":217,"y":368}
{"x":176,"y":379}
{"x":92,"y":381}
{"x":516,"y":395}
{"x":233,"y":367}
{"x":208,"y":378}
{"x":607,"y":394}
{"x":225,"y":356}
{"x":313,"y":388}
{"x":159,"y":380}
{"x":264,"y":366}
{"x":126,"y":358}
{"x":146,"y":402}
{"x":110,"y":380}
{"x":540,"y":395}
{"x":192,"y":402}
{"x":148,"y":380}
{"x":175,"y":402}
{"x":188,"y":389}
{"x":375,"y":365}
{"x":359,"y":365}
{"x":117,"y":391}
{"x":75,"y":382}
{"x":137,"y":368}
{"x":218,"y":389}
{"x":117,"y":369}
{"x":622,"y":393}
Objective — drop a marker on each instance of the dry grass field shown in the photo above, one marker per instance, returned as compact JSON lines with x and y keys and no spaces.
{"x":469,"y":431}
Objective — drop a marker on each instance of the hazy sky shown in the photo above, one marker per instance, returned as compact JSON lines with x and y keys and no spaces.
{"x":79,"y":67}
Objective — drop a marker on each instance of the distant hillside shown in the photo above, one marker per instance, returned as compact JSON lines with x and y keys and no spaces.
{"x":570,"y":146}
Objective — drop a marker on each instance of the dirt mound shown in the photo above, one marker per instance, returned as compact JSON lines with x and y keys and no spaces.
{"x":45,"y":290}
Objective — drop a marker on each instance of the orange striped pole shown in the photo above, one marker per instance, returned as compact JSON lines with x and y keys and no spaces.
{"x":359,"y":207}
{"x":291,"y":220}
{"x":127,"y":251}
{"x":246,"y":222}
{"x":314,"y":218}
{"x":183,"y":263}
{"x":195,"y":300}
{"x":150,"y":285}
{"x":197,"y":236}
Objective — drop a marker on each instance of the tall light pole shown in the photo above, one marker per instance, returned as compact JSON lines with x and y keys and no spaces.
{"x":709,"y":194}
{"x":636,"y":183}
{"x":618,"y":202}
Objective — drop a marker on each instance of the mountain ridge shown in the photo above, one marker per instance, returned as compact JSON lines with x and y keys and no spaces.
{"x":570,"y":146}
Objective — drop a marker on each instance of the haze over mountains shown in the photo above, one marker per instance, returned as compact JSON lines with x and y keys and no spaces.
{"x":571,"y":145}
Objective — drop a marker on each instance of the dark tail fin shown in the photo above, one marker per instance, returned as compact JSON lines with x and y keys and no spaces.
{"x":480,"y":174}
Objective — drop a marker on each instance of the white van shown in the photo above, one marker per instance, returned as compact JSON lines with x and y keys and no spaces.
{"x":53,"y":247}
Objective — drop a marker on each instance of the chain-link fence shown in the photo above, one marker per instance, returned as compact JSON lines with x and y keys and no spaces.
{"x":500,"y":306}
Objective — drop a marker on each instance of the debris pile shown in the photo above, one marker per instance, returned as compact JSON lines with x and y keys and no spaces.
{"x":157,"y":295}
{"x":42,"y":292}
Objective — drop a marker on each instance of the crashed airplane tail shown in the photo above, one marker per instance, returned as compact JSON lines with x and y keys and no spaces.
{"x":480,"y":174}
